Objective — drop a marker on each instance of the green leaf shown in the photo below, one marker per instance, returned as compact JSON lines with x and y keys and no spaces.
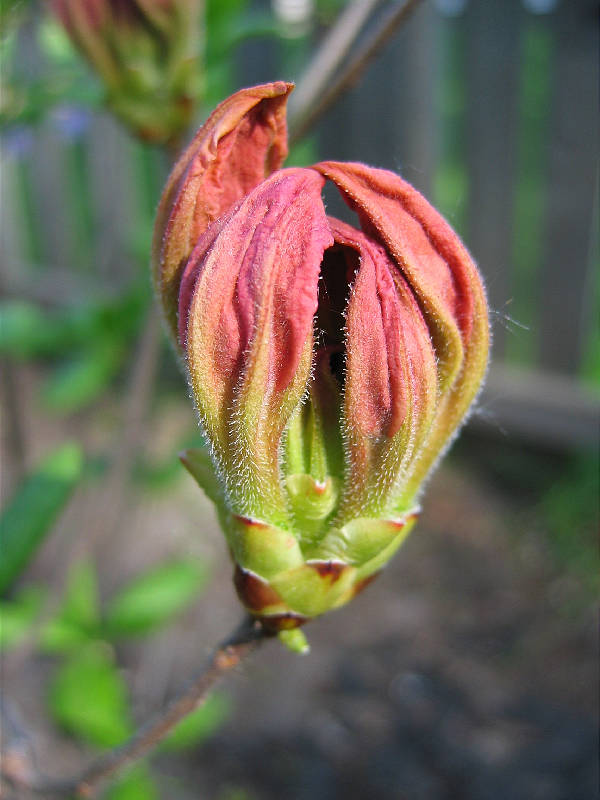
{"x":81,"y":598}
{"x":54,"y":41}
{"x":154,"y":597}
{"x":77,"y":621}
{"x":18,"y":615}
{"x":200,"y":724}
{"x":80,"y":381}
{"x":60,"y":635}
{"x":33,"y":509}
{"x":26,"y":331}
{"x":135,"y":784}
{"x":89,"y":699}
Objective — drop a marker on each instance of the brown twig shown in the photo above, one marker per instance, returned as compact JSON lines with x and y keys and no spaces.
{"x":319,"y":100}
{"x":333,"y":50}
{"x":231,"y":652}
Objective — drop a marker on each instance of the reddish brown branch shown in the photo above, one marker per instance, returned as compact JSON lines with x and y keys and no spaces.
{"x":231,"y":652}
{"x":325,"y":92}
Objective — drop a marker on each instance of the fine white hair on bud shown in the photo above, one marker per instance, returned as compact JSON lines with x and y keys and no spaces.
{"x":330,"y":364}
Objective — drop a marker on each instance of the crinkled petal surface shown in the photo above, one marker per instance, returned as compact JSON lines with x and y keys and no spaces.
{"x":390,"y":381}
{"x":249,"y":327}
{"x":330,"y":364}
{"x":243,"y":141}
{"x":443,"y":279}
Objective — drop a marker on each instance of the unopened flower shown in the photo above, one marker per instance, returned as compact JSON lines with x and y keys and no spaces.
{"x":331,"y":365}
{"x":147,"y":53}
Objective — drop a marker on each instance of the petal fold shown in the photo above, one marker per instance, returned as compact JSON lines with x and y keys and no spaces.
{"x":249,"y":327}
{"x":442,"y":277}
{"x":390,"y":378}
{"x":243,"y":141}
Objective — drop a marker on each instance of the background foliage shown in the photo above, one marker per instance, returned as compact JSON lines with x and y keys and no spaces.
{"x":79,"y":196}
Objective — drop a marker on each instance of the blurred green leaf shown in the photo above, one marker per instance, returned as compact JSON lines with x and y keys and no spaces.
{"x":200,"y":724}
{"x":95,"y":336}
{"x":219,"y":63}
{"x":33,"y":509}
{"x":88,"y":697}
{"x":154,"y":597}
{"x":54,"y":41}
{"x":250,"y":25}
{"x":81,"y":381}
{"x":303,"y":154}
{"x":61,"y":635}
{"x":77,"y":621}
{"x":10,"y":12}
{"x":27,"y":331}
{"x":327,"y":10}
{"x":65,"y":80}
{"x":135,"y":784}
{"x":17,"y":616}
{"x":570,"y":509}
{"x":81,"y":604}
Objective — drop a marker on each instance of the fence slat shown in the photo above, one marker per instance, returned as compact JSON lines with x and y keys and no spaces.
{"x":492,"y":76}
{"x":115,"y":205}
{"x":572,"y":178}
{"x":542,"y":408}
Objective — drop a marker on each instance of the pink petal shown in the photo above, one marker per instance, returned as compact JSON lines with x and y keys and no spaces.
{"x":426,"y":249}
{"x":243,"y":141}
{"x":255,"y":288}
{"x":445,"y":283}
{"x":390,"y":383}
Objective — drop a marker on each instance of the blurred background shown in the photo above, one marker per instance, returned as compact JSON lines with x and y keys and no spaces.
{"x":468,"y":669}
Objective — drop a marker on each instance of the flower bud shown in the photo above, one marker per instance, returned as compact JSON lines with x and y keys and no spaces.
{"x":330,"y":364}
{"x":243,"y":141}
{"x":148,"y":55}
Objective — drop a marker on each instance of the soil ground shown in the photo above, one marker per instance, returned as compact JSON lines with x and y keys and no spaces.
{"x":467,"y":670}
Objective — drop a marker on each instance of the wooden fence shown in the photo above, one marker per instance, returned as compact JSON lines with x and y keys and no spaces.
{"x":487,"y":107}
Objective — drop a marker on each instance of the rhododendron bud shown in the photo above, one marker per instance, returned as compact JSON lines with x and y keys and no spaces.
{"x":243,"y":140}
{"x":330,"y":364}
{"x":148,"y":55}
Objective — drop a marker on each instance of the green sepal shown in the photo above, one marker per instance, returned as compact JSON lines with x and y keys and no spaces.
{"x":262,"y":548}
{"x":315,"y":587}
{"x":363,"y":539}
{"x":368,"y":538}
{"x":199,"y":464}
{"x":381,"y":559}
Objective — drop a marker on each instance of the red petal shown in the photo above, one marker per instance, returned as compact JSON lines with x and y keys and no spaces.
{"x":387,"y":342}
{"x":444,"y":281}
{"x":390,"y":384}
{"x":243,"y":141}
{"x":256,"y":279}
{"x":428,"y":252}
